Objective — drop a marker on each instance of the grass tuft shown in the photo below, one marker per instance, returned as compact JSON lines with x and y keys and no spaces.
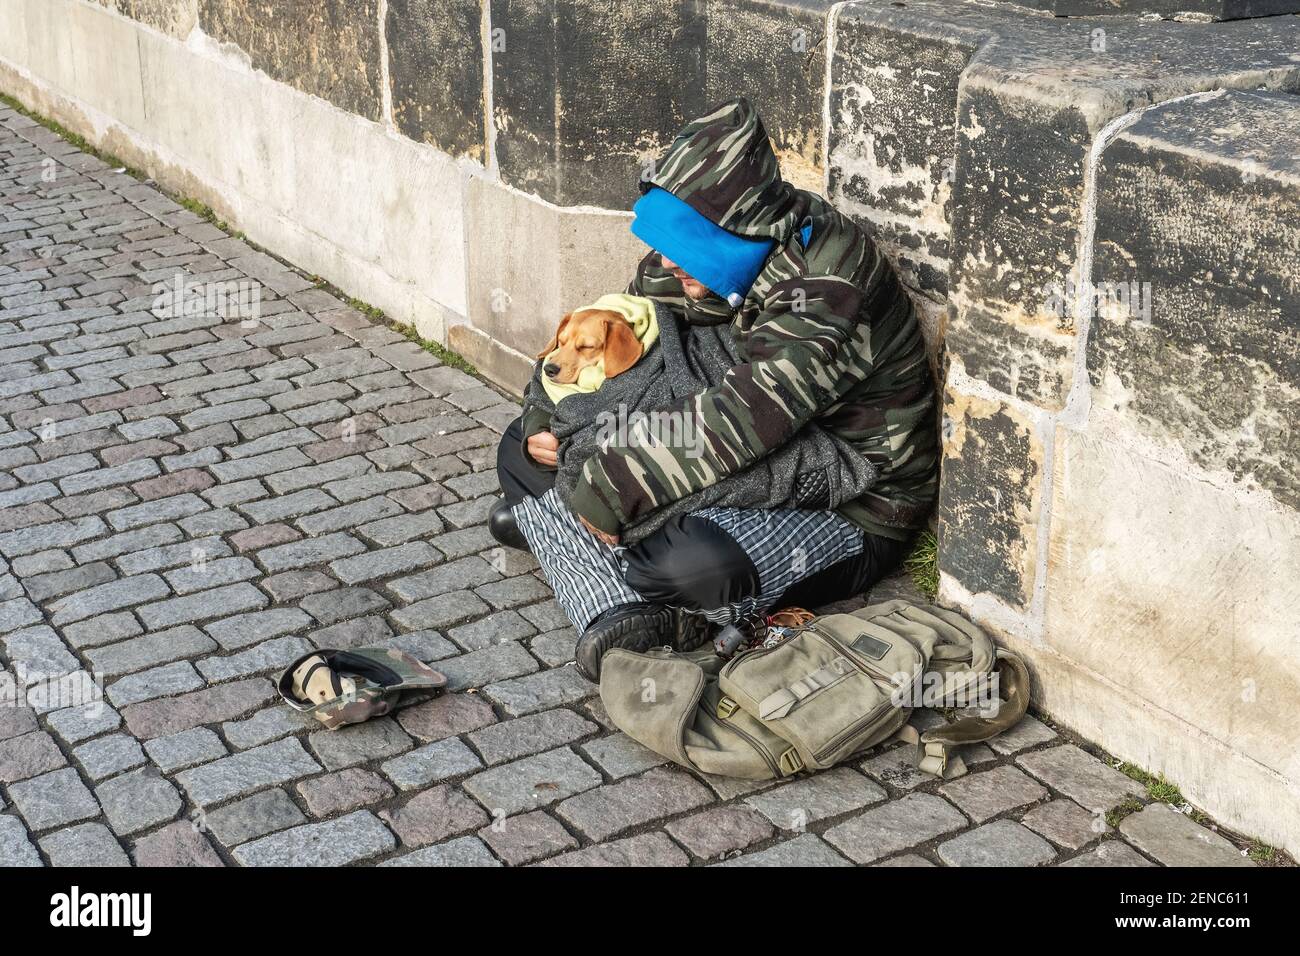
{"x":1158,"y":786}
{"x":1262,"y":853}
{"x":1116,"y":815}
{"x":923,"y":564}
{"x":374,"y":314}
{"x":76,"y":140}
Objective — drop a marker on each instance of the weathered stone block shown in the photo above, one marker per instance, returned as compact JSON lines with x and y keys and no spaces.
{"x":1217,"y":623}
{"x":1175,"y":840}
{"x":329,"y":48}
{"x":1198,"y":219}
{"x":892,"y":139}
{"x":586,"y":92}
{"x":989,"y":497}
{"x":174,"y":17}
{"x":435,"y":70}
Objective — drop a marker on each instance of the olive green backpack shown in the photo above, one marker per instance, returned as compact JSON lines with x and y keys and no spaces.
{"x":830,"y":690}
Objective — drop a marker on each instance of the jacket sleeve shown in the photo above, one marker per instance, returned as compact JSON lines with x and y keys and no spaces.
{"x":797,"y":347}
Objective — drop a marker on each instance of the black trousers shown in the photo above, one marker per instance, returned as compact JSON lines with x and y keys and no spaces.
{"x":690,"y":562}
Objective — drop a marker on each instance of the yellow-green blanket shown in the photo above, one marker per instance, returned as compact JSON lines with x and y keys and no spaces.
{"x":640,"y":314}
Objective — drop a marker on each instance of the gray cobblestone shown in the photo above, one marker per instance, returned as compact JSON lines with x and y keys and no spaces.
{"x":252,"y":817}
{"x":162,"y":681}
{"x":301,"y":554}
{"x":532,"y":782}
{"x":271,"y":655}
{"x":241,"y":773}
{"x":431,"y":763}
{"x":242,"y":630}
{"x":39,"y":650}
{"x":1175,"y":840}
{"x":1082,"y":778}
{"x":87,"y":844}
{"x":203,"y":605}
{"x":479,"y":668}
{"x":266,"y":725}
{"x":616,"y":807}
{"x":53,"y":799}
{"x":160,"y":647}
{"x":804,"y":850}
{"x":385,"y":563}
{"x":28,"y":755}
{"x":357,"y":836}
{"x":792,"y":806}
{"x":897,"y":825}
{"x":646,"y":849}
{"x":359,"y":743}
{"x":1000,"y":843}
{"x":80,"y":722}
{"x":527,"y":735}
{"x":106,"y":756}
{"x":137,"y":801}
{"x":982,"y":796}
{"x":108,"y":597}
{"x":15,"y":848}
{"x":527,"y":837}
{"x":533,"y":692}
{"x":462,"y":851}
{"x":433,"y":815}
{"x":185,"y":749}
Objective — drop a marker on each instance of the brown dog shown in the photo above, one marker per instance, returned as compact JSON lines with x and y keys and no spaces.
{"x":584,"y":338}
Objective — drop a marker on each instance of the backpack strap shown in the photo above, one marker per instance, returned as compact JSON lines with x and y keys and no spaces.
{"x":780,"y":702}
{"x":935,"y":758}
{"x":937,"y":748}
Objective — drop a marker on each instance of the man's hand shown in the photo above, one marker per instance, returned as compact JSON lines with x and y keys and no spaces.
{"x":604,"y":536}
{"x":543,"y":448}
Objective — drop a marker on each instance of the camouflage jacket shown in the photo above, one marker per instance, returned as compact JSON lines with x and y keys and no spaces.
{"x":827,"y":332}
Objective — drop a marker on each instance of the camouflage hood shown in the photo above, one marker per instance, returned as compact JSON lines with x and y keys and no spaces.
{"x":723,"y":166}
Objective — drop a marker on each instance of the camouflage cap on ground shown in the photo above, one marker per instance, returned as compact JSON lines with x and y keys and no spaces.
{"x":372,"y":681}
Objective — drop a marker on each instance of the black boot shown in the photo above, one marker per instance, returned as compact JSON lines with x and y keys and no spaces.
{"x":502,"y":527}
{"x":637,"y":627}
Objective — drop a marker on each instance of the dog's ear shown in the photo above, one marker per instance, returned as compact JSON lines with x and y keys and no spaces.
{"x":555,"y":339}
{"x":622,"y":348}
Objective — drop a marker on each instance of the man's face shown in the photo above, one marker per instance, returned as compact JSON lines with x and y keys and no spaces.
{"x":694,"y":290}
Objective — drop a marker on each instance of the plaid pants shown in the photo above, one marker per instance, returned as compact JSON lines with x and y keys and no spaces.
{"x":786,"y":545}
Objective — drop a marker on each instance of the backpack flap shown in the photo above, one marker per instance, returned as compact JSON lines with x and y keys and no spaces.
{"x":652,"y":697}
{"x":670,"y":703}
{"x":829,"y":689}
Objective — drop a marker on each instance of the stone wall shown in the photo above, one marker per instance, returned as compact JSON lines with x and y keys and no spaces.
{"x":1119,"y":497}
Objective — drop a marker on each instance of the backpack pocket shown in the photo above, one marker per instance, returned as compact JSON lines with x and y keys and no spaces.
{"x":831,"y":689}
{"x":669,"y":703}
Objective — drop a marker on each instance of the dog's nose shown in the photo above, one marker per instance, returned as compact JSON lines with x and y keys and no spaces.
{"x":551,"y":369}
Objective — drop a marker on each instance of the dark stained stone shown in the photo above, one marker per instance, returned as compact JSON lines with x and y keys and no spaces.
{"x":435,"y":71}
{"x":329,"y":48}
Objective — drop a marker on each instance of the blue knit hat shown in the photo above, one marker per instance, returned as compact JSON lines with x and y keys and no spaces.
{"x":726,"y":263}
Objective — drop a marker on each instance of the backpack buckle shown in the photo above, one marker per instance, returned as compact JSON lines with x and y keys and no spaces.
{"x":727,"y":707}
{"x":790,"y":762}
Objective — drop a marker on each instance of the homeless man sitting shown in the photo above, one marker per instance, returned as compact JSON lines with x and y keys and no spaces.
{"x":824,"y":338}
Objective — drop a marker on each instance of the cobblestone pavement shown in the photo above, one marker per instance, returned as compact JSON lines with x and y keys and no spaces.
{"x":188,"y":503}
